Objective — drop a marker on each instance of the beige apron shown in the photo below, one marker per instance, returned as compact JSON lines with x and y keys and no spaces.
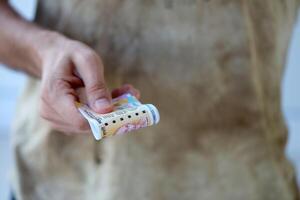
{"x":213,"y":68}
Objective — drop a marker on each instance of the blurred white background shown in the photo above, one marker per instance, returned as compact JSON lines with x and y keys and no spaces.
{"x":11,"y":84}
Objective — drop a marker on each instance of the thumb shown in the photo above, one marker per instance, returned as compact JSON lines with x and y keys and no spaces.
{"x":99,"y":98}
{"x":90,"y":69}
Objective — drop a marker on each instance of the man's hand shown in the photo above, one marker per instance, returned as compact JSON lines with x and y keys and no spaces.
{"x":64,"y":65}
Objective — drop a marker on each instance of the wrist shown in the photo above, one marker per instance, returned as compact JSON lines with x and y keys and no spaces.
{"x":45,"y":43}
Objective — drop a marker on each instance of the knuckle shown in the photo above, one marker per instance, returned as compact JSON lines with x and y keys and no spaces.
{"x":99,"y":88}
{"x":90,"y":57}
{"x":89,"y":54}
{"x":74,"y":45}
{"x":44,"y":98}
{"x":44,"y":114}
{"x":59,"y":84}
{"x":51,"y":89}
{"x":61,"y":88}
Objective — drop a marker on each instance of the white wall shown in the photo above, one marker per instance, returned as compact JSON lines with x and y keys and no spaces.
{"x":291,"y":98}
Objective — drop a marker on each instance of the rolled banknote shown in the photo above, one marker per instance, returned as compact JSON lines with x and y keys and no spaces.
{"x":129,"y":114}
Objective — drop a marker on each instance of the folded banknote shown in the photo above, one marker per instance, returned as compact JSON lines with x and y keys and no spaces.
{"x":129,"y":114}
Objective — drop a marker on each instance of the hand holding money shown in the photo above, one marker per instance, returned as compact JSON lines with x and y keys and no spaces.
{"x":128,"y":115}
{"x":66,"y":66}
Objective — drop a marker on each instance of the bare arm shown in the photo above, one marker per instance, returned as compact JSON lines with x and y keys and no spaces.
{"x":62,"y":64}
{"x":17,"y":41}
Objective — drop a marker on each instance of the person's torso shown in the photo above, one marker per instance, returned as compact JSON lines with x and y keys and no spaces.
{"x":213,"y":68}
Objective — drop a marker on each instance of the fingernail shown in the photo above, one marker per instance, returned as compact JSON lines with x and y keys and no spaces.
{"x":102,"y":104}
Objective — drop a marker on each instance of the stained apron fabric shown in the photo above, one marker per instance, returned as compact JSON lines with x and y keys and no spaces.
{"x":212,"y":67}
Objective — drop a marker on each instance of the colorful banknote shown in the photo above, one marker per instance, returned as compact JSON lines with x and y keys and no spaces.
{"x":129,"y":114}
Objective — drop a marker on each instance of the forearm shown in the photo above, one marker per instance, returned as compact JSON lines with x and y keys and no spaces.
{"x":20,"y":41}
